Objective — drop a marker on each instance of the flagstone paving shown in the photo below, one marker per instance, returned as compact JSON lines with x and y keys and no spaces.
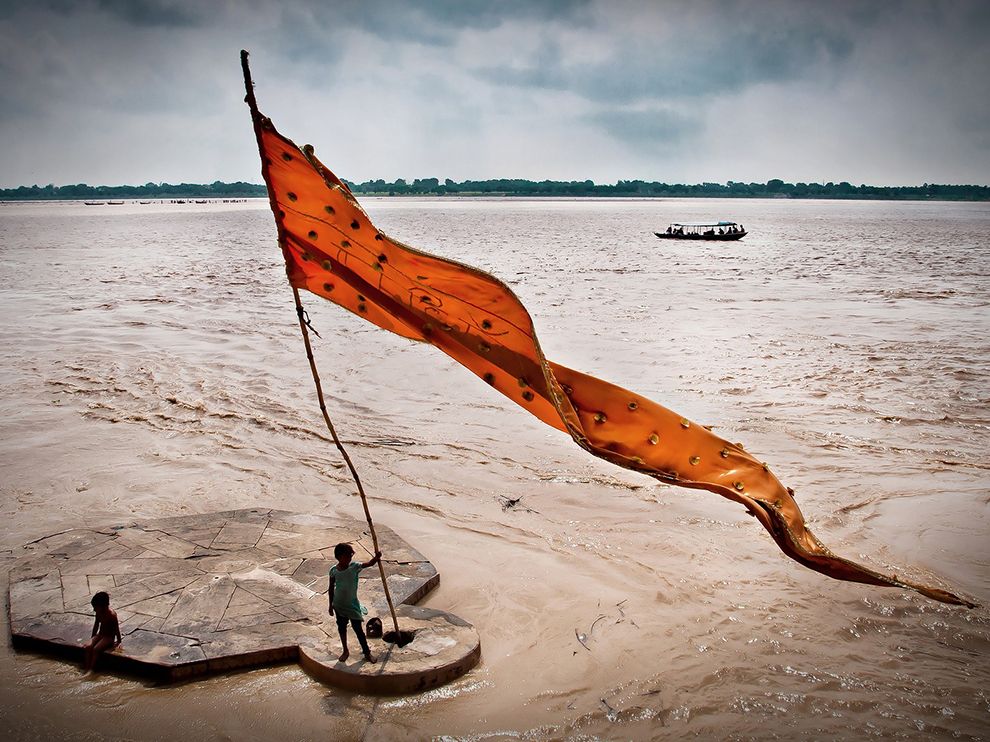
{"x":208,"y":593}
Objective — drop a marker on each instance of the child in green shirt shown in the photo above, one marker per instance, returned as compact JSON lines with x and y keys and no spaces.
{"x":343,"y":600}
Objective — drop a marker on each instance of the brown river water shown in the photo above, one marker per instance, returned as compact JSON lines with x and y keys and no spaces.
{"x":152,"y":366}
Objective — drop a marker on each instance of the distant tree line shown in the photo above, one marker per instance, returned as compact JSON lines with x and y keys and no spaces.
{"x":217,"y":189}
{"x":516,"y":187}
{"x":644,"y":189}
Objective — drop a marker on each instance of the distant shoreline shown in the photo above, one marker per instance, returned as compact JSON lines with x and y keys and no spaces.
{"x":504,"y":188}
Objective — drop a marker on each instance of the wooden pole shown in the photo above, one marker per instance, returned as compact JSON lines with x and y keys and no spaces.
{"x":343,"y":452}
{"x":256,"y":119}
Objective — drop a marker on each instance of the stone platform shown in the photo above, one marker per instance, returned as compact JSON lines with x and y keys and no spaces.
{"x":208,"y":593}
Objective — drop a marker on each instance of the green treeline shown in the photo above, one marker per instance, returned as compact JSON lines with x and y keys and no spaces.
{"x":644,"y":189}
{"x":216,"y":189}
{"x":515,"y":187}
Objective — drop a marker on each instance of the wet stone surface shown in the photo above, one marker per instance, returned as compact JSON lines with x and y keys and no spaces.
{"x":207,"y":593}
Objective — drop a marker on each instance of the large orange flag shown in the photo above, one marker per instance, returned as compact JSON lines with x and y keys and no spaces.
{"x":332,"y":249}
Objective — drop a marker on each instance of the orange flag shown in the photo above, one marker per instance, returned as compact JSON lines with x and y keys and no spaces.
{"x":332,"y":249}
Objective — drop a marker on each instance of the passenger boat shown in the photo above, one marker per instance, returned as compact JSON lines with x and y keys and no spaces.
{"x":703,"y":231}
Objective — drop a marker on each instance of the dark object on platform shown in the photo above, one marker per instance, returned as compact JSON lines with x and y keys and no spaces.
{"x":374,"y":628}
{"x":402,"y":638}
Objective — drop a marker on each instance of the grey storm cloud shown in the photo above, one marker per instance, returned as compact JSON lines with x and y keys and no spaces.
{"x":432,"y":22}
{"x":148,"y":13}
{"x":157,"y":13}
{"x":314,"y":32}
{"x":54,"y":57}
{"x":648,"y":128}
{"x":721,"y":59}
{"x":439,"y":21}
{"x":894,"y":89}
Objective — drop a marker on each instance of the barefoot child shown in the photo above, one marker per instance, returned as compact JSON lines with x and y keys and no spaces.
{"x":343,"y":597}
{"x":106,"y":630}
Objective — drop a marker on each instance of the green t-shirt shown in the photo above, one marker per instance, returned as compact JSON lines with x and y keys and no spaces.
{"x":345,"y":599}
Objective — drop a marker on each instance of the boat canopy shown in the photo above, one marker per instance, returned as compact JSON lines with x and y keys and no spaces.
{"x":704,"y":224}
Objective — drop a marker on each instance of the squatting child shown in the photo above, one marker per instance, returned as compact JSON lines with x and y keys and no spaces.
{"x":106,"y":630}
{"x":343,"y":598}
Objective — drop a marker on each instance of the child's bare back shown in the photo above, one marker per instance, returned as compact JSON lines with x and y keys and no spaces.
{"x":106,"y":630}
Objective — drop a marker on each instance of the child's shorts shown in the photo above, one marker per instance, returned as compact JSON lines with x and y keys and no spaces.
{"x":343,"y":620}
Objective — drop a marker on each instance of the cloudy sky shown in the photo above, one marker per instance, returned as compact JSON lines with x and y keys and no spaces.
{"x":129,"y":91}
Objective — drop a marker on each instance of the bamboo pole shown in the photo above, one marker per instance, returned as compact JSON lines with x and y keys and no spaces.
{"x":300,"y":312}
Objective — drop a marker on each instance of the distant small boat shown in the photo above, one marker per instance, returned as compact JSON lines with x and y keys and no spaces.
{"x":703,"y":231}
{"x":115,"y":203}
{"x":202,"y":202}
{"x":94,"y":203}
{"x":145,"y":202}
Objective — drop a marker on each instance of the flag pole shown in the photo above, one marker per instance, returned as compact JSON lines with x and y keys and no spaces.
{"x":301,"y":314}
{"x":340,"y":447}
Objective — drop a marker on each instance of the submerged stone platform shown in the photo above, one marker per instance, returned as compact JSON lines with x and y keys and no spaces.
{"x":208,"y":593}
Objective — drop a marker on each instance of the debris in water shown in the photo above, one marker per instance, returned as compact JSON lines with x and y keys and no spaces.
{"x":610,"y":713}
{"x":595,"y":623}
{"x":513,"y":503}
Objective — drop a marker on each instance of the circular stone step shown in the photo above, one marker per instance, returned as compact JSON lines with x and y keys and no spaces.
{"x":443,"y":648}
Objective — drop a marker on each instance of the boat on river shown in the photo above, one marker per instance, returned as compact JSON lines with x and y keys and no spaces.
{"x":703,"y":231}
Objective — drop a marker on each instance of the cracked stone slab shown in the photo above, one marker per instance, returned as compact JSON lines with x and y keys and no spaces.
{"x":216,"y":592}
